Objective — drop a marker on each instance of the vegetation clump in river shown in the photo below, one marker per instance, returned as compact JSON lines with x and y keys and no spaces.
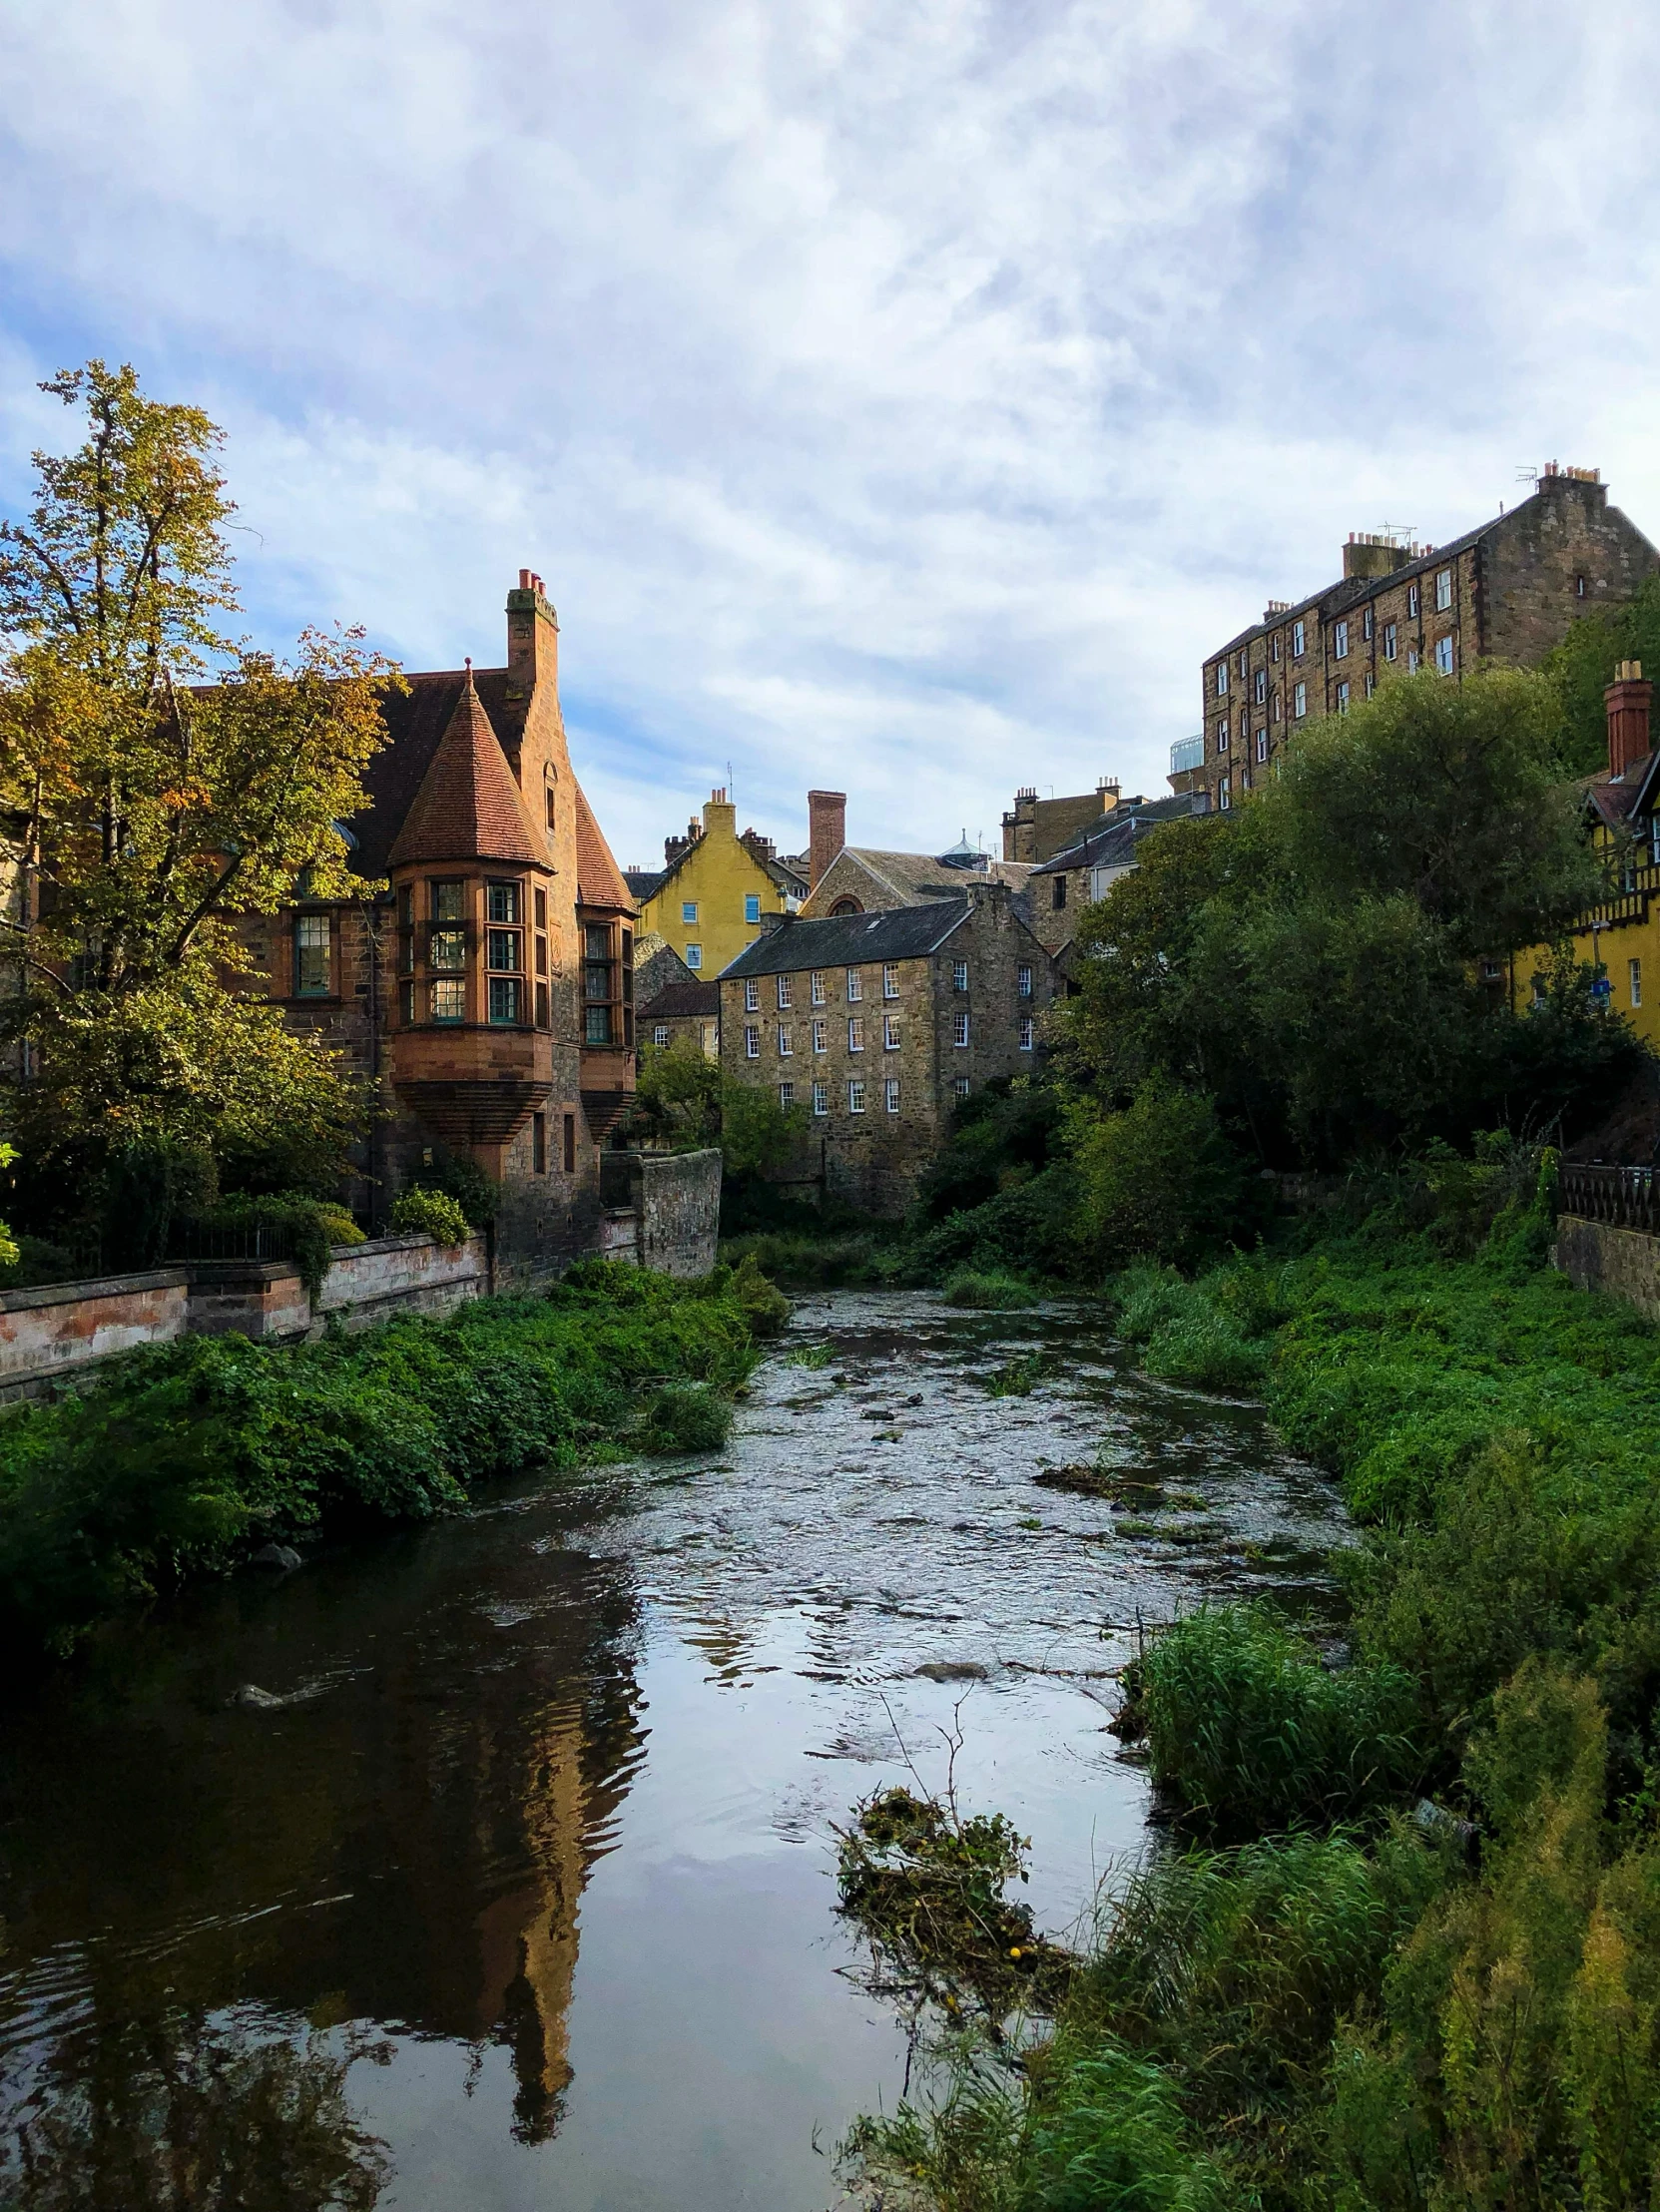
{"x":187,"y":1457}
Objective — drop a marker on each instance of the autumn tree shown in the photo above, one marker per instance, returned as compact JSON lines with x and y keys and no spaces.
{"x":160,"y":779}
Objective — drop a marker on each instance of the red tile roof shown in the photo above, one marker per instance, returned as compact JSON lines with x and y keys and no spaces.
{"x":468,"y":805}
{"x":599,"y":881}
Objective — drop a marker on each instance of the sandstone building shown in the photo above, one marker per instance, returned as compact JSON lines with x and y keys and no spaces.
{"x":1087,"y":870}
{"x":708,"y":900}
{"x":858,"y":880}
{"x":1505,"y":591}
{"x":1038,"y":829}
{"x":876,"y":1024}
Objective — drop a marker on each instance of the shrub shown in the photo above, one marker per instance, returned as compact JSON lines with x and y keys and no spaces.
{"x":764,"y":1304}
{"x":418,"y":1211}
{"x":687,"y":1417}
{"x":1159,"y":1180}
{"x":988,"y":1291}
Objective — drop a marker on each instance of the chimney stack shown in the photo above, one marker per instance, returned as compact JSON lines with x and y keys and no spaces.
{"x":826,"y":815}
{"x":532,"y":633}
{"x":1627,"y":698}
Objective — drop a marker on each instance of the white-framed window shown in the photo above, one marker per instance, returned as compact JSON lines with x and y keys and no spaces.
{"x":1444,"y":590}
{"x":1371,"y":683}
{"x":1299,"y":701}
{"x":1299,"y":641}
{"x":659,"y":1033}
{"x":1411,"y":660}
{"x":1538,"y":990}
{"x":855,"y":986}
{"x":1366,"y":623}
{"x":1342,"y":697}
{"x":787,"y":1095}
{"x":1222,"y":679}
{"x":959,"y":1029}
{"x":856,"y":1096}
{"x":1223,"y":797}
{"x":821,"y":1035}
{"x":1579,"y":587}
{"x":751,"y":995}
{"x":821,"y":1098}
{"x":1389,"y":646}
{"x":1274,"y":647}
{"x":1023,"y":979}
{"x":1261,"y":745}
{"x":752,"y":1040}
{"x":1245,"y":779}
{"x":1242,"y":658}
{"x":1262,"y":685}
{"x":1028,"y":1033}
{"x":1274,"y":708}
{"x":959,"y":971}
{"x":752,"y":906}
{"x":816,"y":986}
{"x":890,"y":1094}
{"x":959,"y":1086}
{"x":688,"y":911}
{"x":1411,"y":602}
{"x":855,"y":1032}
{"x":1340,"y":640}
{"x":1443,"y":654}
{"x":890,"y":980}
{"x":1634,"y":976}
{"x":784,"y":992}
{"x":787,"y":1042}
{"x":693,"y":955}
{"x":1222,"y":737}
{"x":890,"y":1033}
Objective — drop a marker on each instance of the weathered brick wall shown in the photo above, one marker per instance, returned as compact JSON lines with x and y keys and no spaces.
{"x":48,"y":1335}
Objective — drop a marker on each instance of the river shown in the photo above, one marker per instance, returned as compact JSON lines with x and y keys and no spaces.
{"x":505,"y":1844}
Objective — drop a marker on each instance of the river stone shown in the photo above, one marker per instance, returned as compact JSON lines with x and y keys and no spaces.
{"x":255,"y":1700}
{"x":283,"y":1557}
{"x":955,"y":1670}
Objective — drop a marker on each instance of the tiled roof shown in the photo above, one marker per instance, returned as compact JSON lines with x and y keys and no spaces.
{"x":468,"y":805}
{"x":644,"y":883}
{"x":847,"y":940}
{"x":415,"y":718}
{"x":599,"y":881}
{"x":697,"y":995}
{"x":1617,"y":798}
{"x":1115,"y":842}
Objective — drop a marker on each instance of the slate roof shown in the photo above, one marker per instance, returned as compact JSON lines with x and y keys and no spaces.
{"x":468,"y":805}
{"x":913,"y":875}
{"x":1114,"y":843}
{"x":697,"y":995}
{"x":644,"y":883}
{"x":1615,"y":798}
{"x":847,"y":940}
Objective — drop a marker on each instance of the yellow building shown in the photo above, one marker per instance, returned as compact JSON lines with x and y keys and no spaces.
{"x":1621,"y":937}
{"x":706,"y":903}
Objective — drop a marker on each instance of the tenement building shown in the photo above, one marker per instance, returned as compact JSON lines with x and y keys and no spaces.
{"x":1507,"y":591}
{"x":1038,"y":829}
{"x":876,"y":1026}
{"x":485,"y":989}
{"x":1087,"y":870}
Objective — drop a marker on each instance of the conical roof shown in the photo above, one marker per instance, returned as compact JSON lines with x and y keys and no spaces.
{"x":599,"y":881}
{"x":469,"y":807}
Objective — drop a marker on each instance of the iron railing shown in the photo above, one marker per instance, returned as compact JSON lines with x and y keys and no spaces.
{"x":194,"y":1239}
{"x":1626,"y":1198}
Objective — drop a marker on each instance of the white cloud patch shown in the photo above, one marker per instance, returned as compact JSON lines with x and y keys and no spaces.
{"x":896,"y":399}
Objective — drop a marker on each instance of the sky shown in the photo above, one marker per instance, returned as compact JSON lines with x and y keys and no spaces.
{"x":898,"y":398}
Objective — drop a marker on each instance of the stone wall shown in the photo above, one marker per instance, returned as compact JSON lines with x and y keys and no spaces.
{"x":67,"y":1327}
{"x":1622,"y":1262}
{"x":664,"y":1210}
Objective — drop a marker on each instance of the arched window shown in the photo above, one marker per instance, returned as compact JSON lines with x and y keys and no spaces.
{"x":846,"y":907}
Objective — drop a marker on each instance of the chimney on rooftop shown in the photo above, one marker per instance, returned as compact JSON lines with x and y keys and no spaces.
{"x":532,"y":634}
{"x":1628,"y":699}
{"x":826,"y":815}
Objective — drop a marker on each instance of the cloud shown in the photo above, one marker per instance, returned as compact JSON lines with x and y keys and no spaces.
{"x":900,"y":397}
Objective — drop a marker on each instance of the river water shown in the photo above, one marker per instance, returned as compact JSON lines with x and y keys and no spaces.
{"x":506,"y":1845}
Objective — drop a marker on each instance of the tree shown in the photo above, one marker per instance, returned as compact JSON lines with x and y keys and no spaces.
{"x":158,"y":781}
{"x":1583,"y":667}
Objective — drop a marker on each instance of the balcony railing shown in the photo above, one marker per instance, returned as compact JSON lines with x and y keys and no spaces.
{"x":1185,"y":754}
{"x":1625,"y":1198}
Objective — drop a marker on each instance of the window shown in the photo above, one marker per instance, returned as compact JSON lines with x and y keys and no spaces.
{"x":502,"y":950}
{"x":1366,"y":623}
{"x":406,"y":1003}
{"x":1223,"y":797}
{"x":447,"y":949}
{"x":502,"y":903}
{"x":1262,"y":685}
{"x":959,"y":1029}
{"x":889,"y":981}
{"x":538,"y":1144}
{"x":890,"y":1094}
{"x":597,"y":1027}
{"x":856,"y":1033}
{"x":1579,"y":587}
{"x":787,"y":1042}
{"x":550,"y":807}
{"x":1274,"y":647}
{"x":1340,"y":640}
{"x":1222,"y":679}
{"x":1411,"y":602}
{"x":1241,"y":663}
{"x":1444,"y":590}
{"x":1411,"y":660}
{"x":890,"y":1033}
{"x":821,"y":1098}
{"x":1024,"y":980}
{"x":1299,"y":641}
{"x":1274,"y":708}
{"x":1299,"y":701}
{"x":569,"y":1144}
{"x":787,"y":1095}
{"x":1342,"y":699}
{"x":1443,"y":654}
{"x":784,"y":992}
{"x":448,"y":902}
{"x":855,"y":1097}
{"x":506,"y":1002}
{"x":959,"y":1086}
{"x":752,"y":906}
{"x":1388,"y":641}
{"x":449,"y":1001}
{"x":820,"y":1028}
{"x":312,"y":962}
{"x":752,"y":1040}
{"x":1059,"y":895}
{"x":688,"y":910}
{"x":541,"y":909}
{"x":855,"y":988}
{"x":1538,"y":990}
{"x":660,"y":1034}
{"x":959,"y":974}
{"x":1028,"y":1033}
{"x":544,"y":1019}
{"x":693,"y":957}
{"x":1245,"y":779}
{"x":816,"y":987}
{"x":751,"y":995}
{"x":1634,"y":974}
{"x":1261,"y":745}
{"x":1371,"y":683}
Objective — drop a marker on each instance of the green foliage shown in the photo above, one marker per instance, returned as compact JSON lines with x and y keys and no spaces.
{"x":678,"y":1097}
{"x":764,"y":1304}
{"x":758,"y":1135}
{"x":1001,"y":1136}
{"x":1584,"y":666}
{"x":418,"y":1211}
{"x":1159,"y":1180}
{"x":830,"y":1261}
{"x":460,"y":1176}
{"x":187,"y":1455}
{"x":310,"y":1226}
{"x":988,"y":1290}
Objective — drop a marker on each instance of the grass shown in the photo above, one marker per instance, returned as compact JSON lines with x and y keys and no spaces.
{"x":186,"y":1458}
{"x":990,"y":1290}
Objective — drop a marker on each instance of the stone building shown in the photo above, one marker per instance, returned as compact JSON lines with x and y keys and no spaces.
{"x":708,"y":900}
{"x":487,"y":991}
{"x":1038,"y":829}
{"x":877,"y":1025}
{"x":858,"y":880}
{"x":675,"y":1006}
{"x":1087,"y":870}
{"x":1505,"y":591}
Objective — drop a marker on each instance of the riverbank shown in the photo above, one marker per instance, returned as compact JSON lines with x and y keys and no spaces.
{"x":1322,"y":1995}
{"x":186,"y":1458}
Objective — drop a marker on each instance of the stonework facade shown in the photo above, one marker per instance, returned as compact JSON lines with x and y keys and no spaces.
{"x":1038,"y":829}
{"x":876,"y":1025}
{"x":1087,"y":870}
{"x":1507,"y":591}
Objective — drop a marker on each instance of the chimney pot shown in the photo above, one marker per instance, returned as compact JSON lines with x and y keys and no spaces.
{"x":524,"y":579}
{"x":1628,"y":699}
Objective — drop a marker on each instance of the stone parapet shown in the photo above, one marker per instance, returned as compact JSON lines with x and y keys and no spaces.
{"x":1597,"y":1255}
{"x":63,"y":1327}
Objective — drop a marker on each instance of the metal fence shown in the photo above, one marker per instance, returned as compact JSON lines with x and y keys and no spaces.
{"x":1626,"y":1198}
{"x":194,"y":1239}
